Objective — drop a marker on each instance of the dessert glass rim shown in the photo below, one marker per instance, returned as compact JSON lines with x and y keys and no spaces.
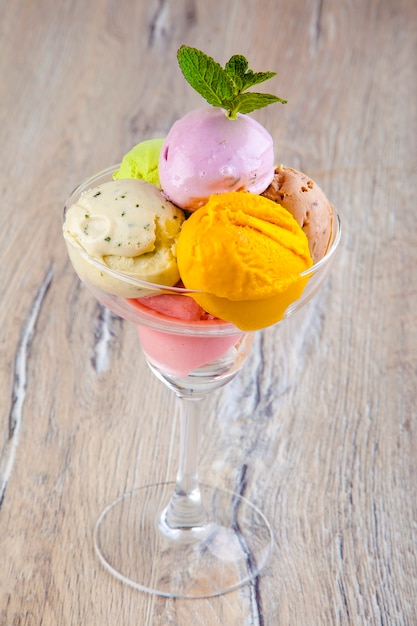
{"x":90,"y":182}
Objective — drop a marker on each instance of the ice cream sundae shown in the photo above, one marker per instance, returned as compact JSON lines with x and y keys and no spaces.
{"x":205,"y":209}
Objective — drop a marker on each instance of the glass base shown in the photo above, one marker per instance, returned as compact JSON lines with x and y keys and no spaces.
{"x":197,"y":562}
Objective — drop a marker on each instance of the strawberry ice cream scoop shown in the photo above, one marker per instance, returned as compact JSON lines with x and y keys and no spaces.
{"x":187,"y":346}
{"x":206,"y":153}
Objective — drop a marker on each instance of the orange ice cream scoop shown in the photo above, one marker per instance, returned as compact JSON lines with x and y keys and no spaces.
{"x":245,"y":254}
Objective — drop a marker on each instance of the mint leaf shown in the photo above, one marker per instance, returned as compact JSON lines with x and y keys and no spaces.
{"x":236,"y":68}
{"x":224,"y":87}
{"x":252,"y":78}
{"x":247,"y":102}
{"x":205,"y":75}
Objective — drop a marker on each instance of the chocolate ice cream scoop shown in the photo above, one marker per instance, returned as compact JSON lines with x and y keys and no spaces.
{"x":308,"y":204}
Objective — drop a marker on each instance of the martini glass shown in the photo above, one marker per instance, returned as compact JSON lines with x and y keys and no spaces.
{"x":184,"y":538}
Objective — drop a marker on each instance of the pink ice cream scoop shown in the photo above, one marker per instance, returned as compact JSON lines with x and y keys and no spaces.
{"x":187,"y":346}
{"x":205,"y":152}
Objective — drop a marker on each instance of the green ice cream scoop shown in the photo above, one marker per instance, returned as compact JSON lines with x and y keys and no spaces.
{"x":142,"y":162}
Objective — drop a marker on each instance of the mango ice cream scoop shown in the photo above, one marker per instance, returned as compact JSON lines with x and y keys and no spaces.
{"x":245,"y":254}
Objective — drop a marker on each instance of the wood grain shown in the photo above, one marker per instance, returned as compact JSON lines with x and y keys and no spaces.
{"x":322,"y":421}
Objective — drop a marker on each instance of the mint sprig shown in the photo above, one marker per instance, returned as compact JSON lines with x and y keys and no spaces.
{"x":225,"y":87}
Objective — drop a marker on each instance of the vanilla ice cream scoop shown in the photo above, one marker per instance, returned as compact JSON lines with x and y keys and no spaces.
{"x":205,"y":153}
{"x":130,"y":227}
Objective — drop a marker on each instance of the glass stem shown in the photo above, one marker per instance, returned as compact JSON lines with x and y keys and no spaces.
{"x":185,"y":509}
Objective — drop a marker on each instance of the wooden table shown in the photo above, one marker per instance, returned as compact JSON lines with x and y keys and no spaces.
{"x":323,"y":417}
